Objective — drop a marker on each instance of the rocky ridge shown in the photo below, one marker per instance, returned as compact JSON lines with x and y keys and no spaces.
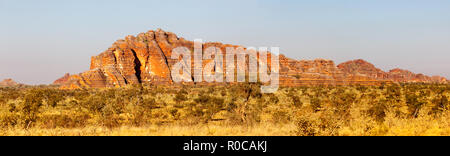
{"x":145,"y":59}
{"x":62,"y":80}
{"x":8,"y":83}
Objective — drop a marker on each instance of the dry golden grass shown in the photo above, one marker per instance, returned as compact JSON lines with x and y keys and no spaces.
{"x":169,"y":130}
{"x":392,"y":127}
{"x":392,"y":110}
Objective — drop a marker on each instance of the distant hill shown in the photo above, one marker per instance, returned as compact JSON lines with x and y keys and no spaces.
{"x":8,"y":83}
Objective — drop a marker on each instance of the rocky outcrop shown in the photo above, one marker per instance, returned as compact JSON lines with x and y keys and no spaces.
{"x":146,"y":59}
{"x":366,"y":69}
{"x":304,"y":72}
{"x":439,"y":79}
{"x":62,"y":80}
{"x":401,"y":75}
{"x":362,"y":68}
{"x":8,"y":83}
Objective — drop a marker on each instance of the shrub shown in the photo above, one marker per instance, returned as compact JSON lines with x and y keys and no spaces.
{"x":28,"y":109}
{"x":414,"y":105}
{"x":53,"y":96}
{"x":180,"y":97}
{"x":378,"y":111}
{"x":208,"y":106}
{"x":440,"y":104}
{"x":315,"y":103}
{"x":94,"y":103}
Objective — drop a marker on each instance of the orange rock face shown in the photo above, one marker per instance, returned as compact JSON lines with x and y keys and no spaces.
{"x":400,"y":75}
{"x":8,"y":83}
{"x":62,"y":80}
{"x":146,"y":58}
{"x":366,"y":69}
{"x":362,"y":68}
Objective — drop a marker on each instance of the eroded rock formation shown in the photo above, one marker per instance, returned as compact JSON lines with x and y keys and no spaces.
{"x":8,"y":83}
{"x":62,"y":80}
{"x":366,"y":69}
{"x":146,"y":58}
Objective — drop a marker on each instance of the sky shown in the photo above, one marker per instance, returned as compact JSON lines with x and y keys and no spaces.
{"x":42,"y":40}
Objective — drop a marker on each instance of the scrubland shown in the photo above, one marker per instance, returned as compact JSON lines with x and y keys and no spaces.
{"x":236,"y":110}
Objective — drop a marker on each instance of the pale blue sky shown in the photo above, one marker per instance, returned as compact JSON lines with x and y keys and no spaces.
{"x":42,"y":40}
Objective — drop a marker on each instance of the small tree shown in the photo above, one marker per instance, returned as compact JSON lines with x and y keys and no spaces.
{"x":29,"y":109}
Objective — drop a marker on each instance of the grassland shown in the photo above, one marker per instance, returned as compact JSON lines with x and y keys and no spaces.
{"x":392,"y":109}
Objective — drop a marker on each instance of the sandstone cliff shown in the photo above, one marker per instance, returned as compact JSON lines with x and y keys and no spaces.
{"x":145,"y":58}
